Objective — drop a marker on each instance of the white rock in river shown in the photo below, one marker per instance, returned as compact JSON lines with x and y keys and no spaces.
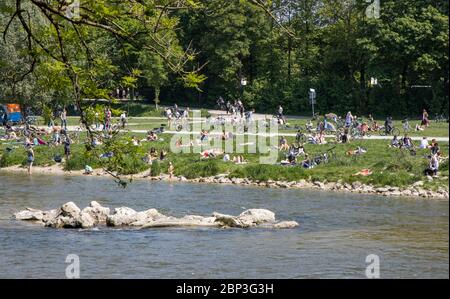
{"x":85,"y":220}
{"x":63,"y":222}
{"x":285,"y":224}
{"x":70,"y":209}
{"x":248,"y":218}
{"x":70,"y":216}
{"x":97,"y":211}
{"x":121,"y":216}
{"x":258,"y":216}
{"x":144,"y":217}
{"x":186,"y":221}
{"x":29,"y":214}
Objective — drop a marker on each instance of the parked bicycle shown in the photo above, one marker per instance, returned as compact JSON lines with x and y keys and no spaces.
{"x":440,"y":118}
{"x":383,"y":131}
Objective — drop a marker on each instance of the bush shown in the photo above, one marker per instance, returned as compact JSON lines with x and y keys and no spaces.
{"x":155,"y":169}
{"x":199,"y":169}
{"x":264,"y":172}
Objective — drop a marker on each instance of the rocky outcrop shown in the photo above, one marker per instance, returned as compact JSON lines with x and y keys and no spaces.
{"x":96,"y":211}
{"x":70,"y":216}
{"x":67,"y":216}
{"x":415,"y":190}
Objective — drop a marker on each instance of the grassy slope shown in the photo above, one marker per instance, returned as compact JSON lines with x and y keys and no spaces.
{"x":390,"y":166}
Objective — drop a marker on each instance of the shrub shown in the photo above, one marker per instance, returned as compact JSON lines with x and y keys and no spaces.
{"x":155,"y":169}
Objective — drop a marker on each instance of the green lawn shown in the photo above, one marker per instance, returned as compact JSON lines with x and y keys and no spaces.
{"x":392,"y":167}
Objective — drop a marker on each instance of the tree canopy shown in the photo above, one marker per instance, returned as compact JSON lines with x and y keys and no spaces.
{"x":192,"y":51}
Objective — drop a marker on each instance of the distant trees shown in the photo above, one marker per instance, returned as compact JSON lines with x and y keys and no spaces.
{"x":194,"y":51}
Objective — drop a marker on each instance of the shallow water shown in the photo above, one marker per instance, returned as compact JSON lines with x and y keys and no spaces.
{"x":337,"y":231}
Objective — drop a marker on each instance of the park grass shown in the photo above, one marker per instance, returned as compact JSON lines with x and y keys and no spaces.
{"x":393,"y":167}
{"x":440,"y":129}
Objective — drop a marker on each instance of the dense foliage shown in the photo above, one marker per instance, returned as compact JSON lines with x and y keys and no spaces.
{"x":191,"y":52}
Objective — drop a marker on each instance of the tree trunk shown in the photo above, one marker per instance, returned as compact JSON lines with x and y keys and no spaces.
{"x":157,"y":92}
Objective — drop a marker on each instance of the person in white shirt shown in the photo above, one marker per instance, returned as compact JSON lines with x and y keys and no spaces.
{"x":424,"y":143}
{"x":123,"y":119}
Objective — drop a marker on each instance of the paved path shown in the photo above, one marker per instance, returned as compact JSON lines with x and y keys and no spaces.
{"x":375,"y":137}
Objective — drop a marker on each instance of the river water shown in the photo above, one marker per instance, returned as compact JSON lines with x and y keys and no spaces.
{"x":336,"y":234}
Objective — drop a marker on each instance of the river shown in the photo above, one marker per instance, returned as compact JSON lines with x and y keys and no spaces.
{"x":337,"y":232}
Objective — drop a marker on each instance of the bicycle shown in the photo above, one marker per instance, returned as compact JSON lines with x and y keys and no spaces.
{"x":392,"y":132}
{"x":324,"y":157}
{"x":440,"y":118}
{"x":357,"y":133}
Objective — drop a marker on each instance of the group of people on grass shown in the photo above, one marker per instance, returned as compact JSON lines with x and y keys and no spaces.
{"x":433,"y":157}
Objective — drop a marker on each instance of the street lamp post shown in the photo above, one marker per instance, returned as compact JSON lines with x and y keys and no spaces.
{"x":312,"y":99}
{"x":243,"y":84}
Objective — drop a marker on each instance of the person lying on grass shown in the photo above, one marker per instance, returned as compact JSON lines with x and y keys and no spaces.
{"x":210,"y":153}
{"x":358,"y":151}
{"x":38,"y":141}
{"x":135,"y":141}
{"x":364,"y":172}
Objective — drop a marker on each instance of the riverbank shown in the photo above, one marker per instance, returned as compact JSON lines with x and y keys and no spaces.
{"x":415,"y":190}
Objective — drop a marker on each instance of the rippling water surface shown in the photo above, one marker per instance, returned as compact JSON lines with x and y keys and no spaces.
{"x":336,"y":233}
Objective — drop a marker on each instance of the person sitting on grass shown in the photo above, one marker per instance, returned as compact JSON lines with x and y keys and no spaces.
{"x":309,"y":126}
{"x":395,"y":142}
{"x":95,"y":142}
{"x":151,"y":136}
{"x":313,"y":139}
{"x":306,"y":163}
{"x":299,"y":136}
{"x":204,"y":135}
{"x":38,"y":141}
{"x":297,"y":150}
{"x":88,"y":170}
{"x":321,"y":138}
{"x":435,"y":147}
{"x":433,"y":166}
{"x":364,"y":128}
{"x":424,"y":143}
{"x":153,"y":153}
{"x":407,"y":142}
{"x":147,"y":158}
{"x":239,"y":160}
{"x":11,"y":136}
{"x":162,"y":155}
{"x":283,"y":144}
{"x":375,"y":126}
